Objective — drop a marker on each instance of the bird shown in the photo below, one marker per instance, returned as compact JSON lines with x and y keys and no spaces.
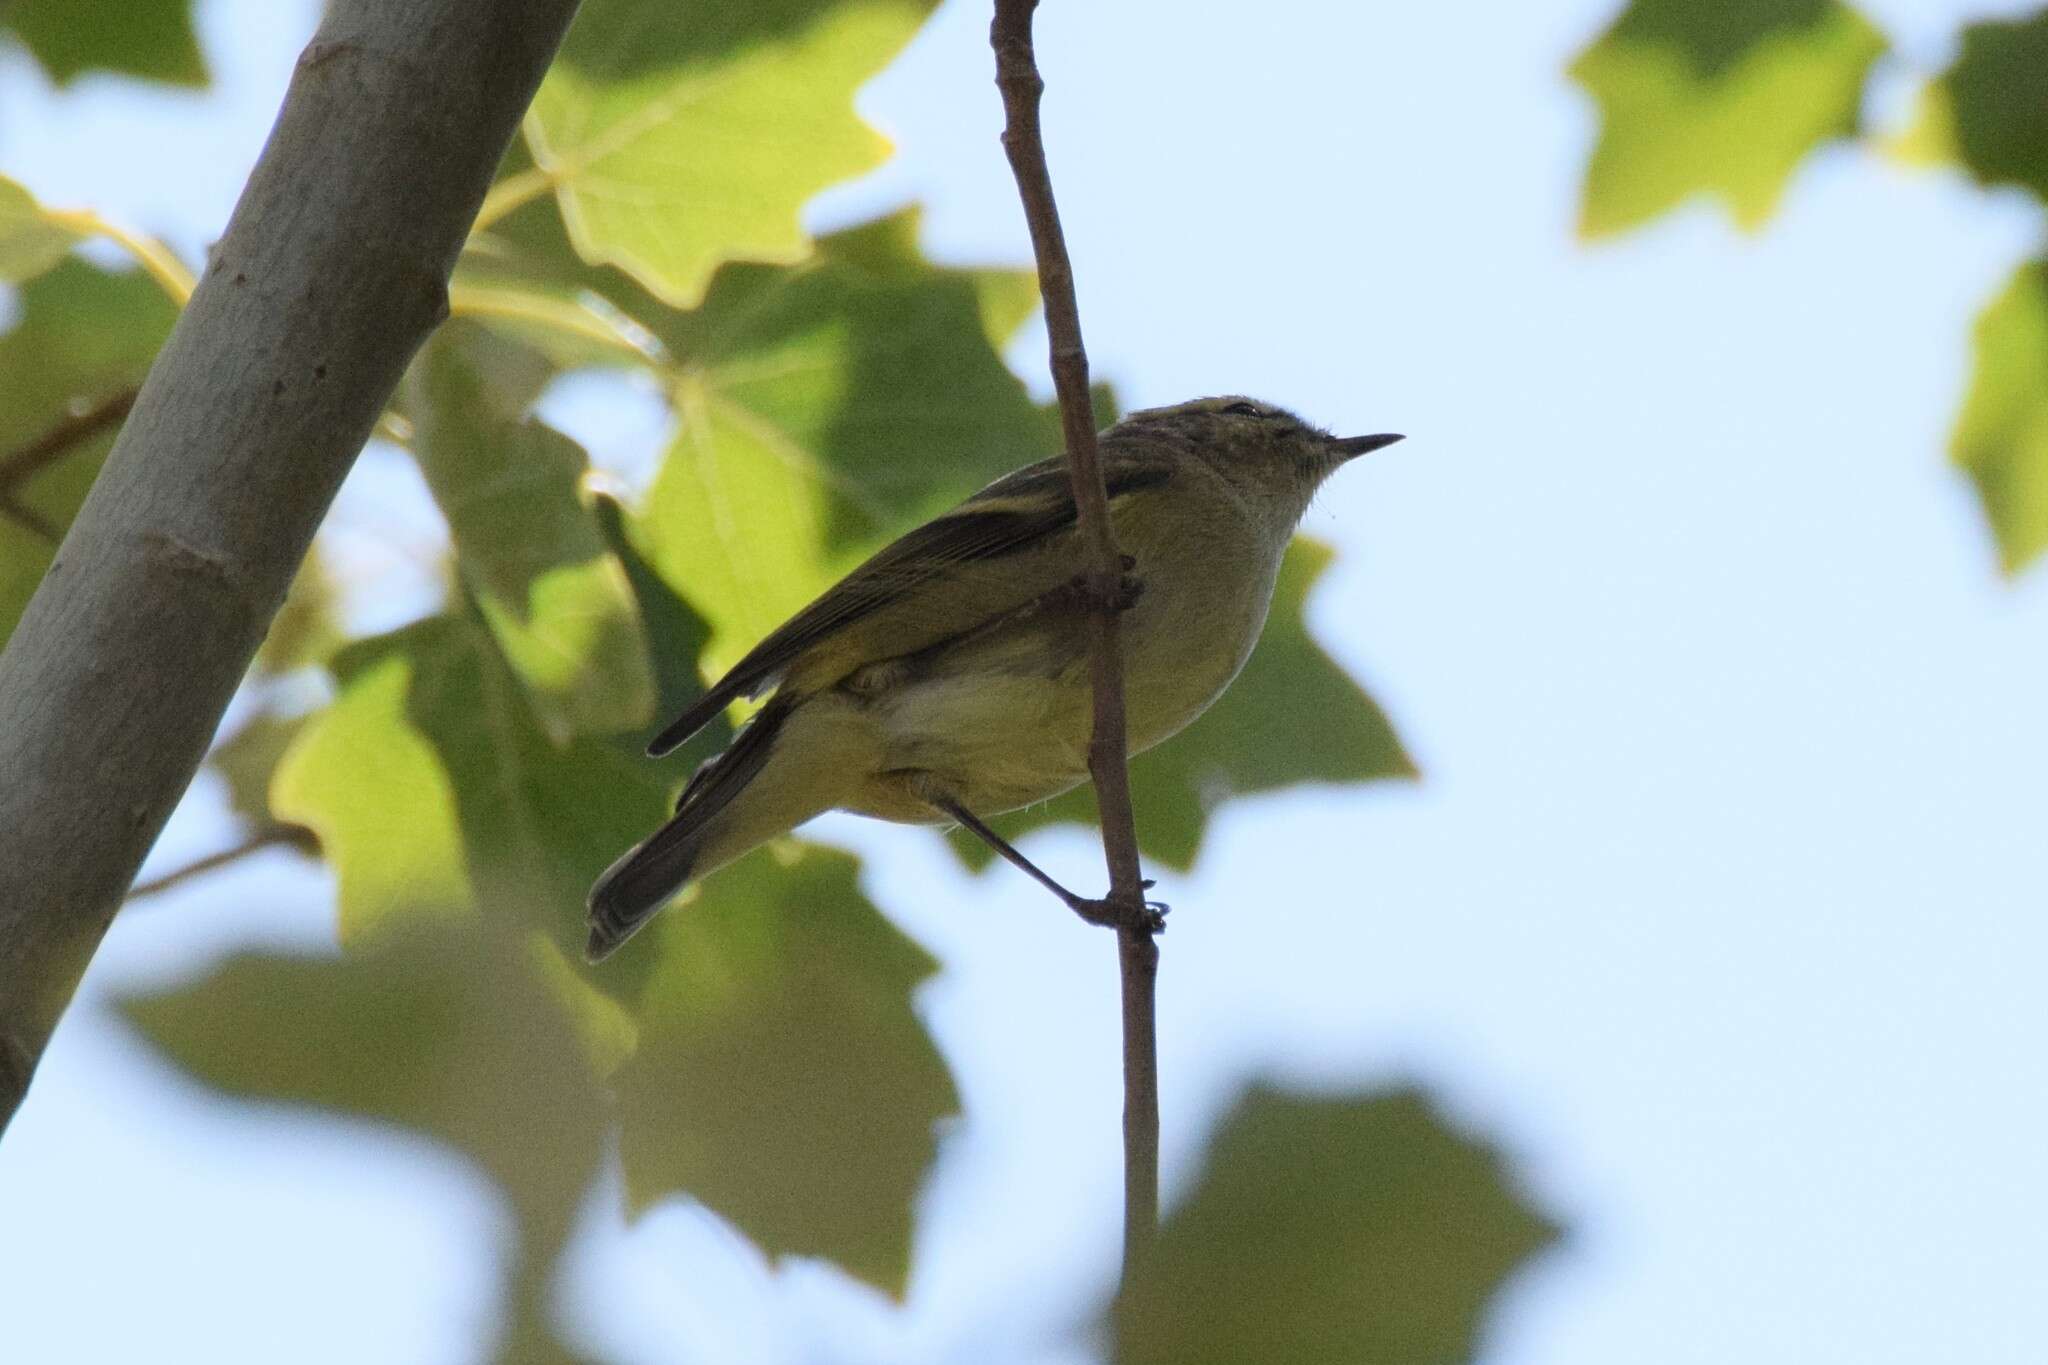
{"x":946,"y":678}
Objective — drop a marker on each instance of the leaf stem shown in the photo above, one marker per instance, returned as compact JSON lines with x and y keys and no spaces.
{"x":17,"y":466}
{"x":270,"y":836}
{"x":159,"y":260}
{"x":508,"y":194}
{"x":1138,"y":953}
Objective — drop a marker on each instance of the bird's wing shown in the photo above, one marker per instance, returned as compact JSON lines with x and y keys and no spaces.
{"x":990,"y":550}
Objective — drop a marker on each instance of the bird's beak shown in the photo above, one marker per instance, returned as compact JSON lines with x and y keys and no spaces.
{"x":1348,"y":447}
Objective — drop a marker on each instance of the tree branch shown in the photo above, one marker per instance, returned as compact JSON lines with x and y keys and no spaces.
{"x":332,"y":271}
{"x":270,"y":836}
{"x":17,"y":466}
{"x":1138,"y":953}
{"x":21,"y":462}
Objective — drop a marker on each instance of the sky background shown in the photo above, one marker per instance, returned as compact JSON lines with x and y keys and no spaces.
{"x":1719,"y":910}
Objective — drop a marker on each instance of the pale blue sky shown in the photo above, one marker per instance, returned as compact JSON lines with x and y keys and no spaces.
{"x":1720,"y":910}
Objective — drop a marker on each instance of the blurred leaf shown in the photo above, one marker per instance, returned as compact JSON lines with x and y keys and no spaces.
{"x":1292,"y":716}
{"x":248,"y":760}
{"x":1987,"y":110}
{"x":2001,"y":438}
{"x":676,"y":635}
{"x":526,"y":542}
{"x":31,"y":241}
{"x":680,"y":135}
{"x":306,"y":628}
{"x":1929,"y":137}
{"x":1719,"y":98}
{"x":83,"y":335}
{"x":442,"y":1031}
{"x":783,"y":1077}
{"x":1353,"y":1231}
{"x":572,"y":326}
{"x":148,"y":38}
{"x":435,"y":792}
{"x":825,"y":409}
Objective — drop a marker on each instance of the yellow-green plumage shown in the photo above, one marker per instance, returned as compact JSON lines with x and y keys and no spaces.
{"x":953,"y":667}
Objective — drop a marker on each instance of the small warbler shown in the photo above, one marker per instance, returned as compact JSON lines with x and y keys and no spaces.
{"x":947,"y":678}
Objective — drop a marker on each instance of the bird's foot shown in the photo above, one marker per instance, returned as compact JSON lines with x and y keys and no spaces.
{"x":1148,"y":917}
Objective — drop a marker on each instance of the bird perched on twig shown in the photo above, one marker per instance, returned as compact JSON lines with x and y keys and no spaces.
{"x":947,"y":678}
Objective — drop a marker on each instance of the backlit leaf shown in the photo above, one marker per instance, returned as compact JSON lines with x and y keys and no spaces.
{"x":442,"y":1031}
{"x":682,"y":133}
{"x":824,"y":409}
{"x":307,"y":627}
{"x":2001,"y":438}
{"x":1722,"y":98}
{"x":1987,"y":110}
{"x":526,"y":541}
{"x":782,"y":1076}
{"x":247,"y":761}
{"x":435,"y":791}
{"x":1349,"y":1231}
{"x":31,"y":240}
{"x":148,"y":38}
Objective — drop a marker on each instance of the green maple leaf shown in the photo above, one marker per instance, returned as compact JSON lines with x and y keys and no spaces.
{"x":153,"y":39}
{"x":32,"y":239}
{"x":678,"y":134}
{"x":822,"y":410}
{"x":1352,"y":1230}
{"x":436,"y":792}
{"x":526,"y":539}
{"x":1986,"y":111}
{"x":2001,"y":437}
{"x":1725,"y":98}
{"x":449,"y":1032}
{"x":782,"y":1076}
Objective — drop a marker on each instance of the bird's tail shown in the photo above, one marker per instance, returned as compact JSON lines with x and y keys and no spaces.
{"x":653,"y":871}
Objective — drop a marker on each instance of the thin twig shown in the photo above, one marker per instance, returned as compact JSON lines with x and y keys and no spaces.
{"x":1018,"y":79}
{"x":19,"y":463}
{"x":21,"y":514}
{"x":17,"y":466}
{"x":270,"y":836}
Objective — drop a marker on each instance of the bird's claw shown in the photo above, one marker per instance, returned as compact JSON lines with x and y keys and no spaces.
{"x":1148,"y":916}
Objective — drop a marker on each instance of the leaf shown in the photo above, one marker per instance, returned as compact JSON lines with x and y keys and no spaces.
{"x":1349,"y":1230}
{"x":1986,"y":111}
{"x":675,"y":642}
{"x":782,"y":1076}
{"x":1292,"y":716}
{"x":1724,"y":98}
{"x":31,"y":240}
{"x":83,"y":335}
{"x":444,"y":1031}
{"x":248,"y":761}
{"x":824,"y":409}
{"x":148,"y":38}
{"x":681,"y":135}
{"x":2001,"y":438}
{"x":306,"y":628}
{"x":573,"y":327}
{"x":435,"y":792}
{"x":526,"y":542}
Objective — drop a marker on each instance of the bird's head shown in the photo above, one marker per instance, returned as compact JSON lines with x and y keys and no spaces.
{"x":1266,"y":451}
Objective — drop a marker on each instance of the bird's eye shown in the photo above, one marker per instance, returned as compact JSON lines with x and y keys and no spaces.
{"x":1244,"y":409}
